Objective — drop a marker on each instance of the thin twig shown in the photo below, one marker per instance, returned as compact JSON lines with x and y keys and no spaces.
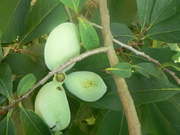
{"x":173,"y":74}
{"x":51,"y":73}
{"x":69,"y":14}
{"x":124,"y":94}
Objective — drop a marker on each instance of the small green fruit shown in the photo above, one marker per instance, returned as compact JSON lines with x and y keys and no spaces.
{"x":52,"y":106}
{"x":62,"y":44}
{"x":86,"y":85}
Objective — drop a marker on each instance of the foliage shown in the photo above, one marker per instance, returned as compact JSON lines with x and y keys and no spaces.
{"x":149,"y":26}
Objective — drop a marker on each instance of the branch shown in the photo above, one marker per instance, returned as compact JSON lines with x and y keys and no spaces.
{"x":124,"y":94}
{"x":51,"y":73}
{"x":69,"y":14}
{"x":173,"y":74}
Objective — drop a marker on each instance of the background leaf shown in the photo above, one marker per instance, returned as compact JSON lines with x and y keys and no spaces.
{"x":25,"y":84}
{"x":121,"y":32}
{"x":166,"y":31}
{"x":32,"y":123}
{"x":162,"y":114}
{"x":5,"y":80}
{"x":149,"y":69}
{"x":39,"y":70}
{"x":44,"y":16}
{"x":13,"y":18}
{"x":73,"y":4}
{"x":88,"y":35}
{"x":110,"y":122}
{"x":147,"y":90}
{"x":7,"y":126}
{"x":122,"y":11}
{"x":35,"y":52}
{"x":162,"y":19}
{"x":177,"y":67}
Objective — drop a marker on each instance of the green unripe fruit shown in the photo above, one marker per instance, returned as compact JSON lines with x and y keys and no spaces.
{"x":52,"y":106}
{"x":62,"y":44}
{"x":86,"y":85}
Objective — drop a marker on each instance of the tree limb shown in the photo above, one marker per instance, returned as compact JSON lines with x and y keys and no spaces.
{"x":124,"y":94}
{"x":51,"y":73}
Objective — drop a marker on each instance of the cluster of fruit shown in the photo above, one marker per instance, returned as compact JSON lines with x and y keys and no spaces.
{"x":51,"y":103}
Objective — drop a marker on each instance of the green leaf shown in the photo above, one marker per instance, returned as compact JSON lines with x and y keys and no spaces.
{"x":7,"y":126}
{"x":35,"y":52}
{"x":5,"y":80}
{"x":13,"y":18}
{"x":25,"y":84}
{"x":153,"y":11}
{"x":2,"y":98}
{"x":174,"y":46}
{"x":164,"y":117}
{"x":88,"y":35}
{"x":84,"y":118}
{"x":166,"y":31}
{"x":44,"y":16}
{"x":162,"y":19}
{"x":111,"y":123}
{"x":122,"y":69}
{"x":121,"y":32}
{"x":148,"y":69}
{"x":32,"y":123}
{"x":73,"y":4}
{"x":174,"y":65}
{"x":147,"y":90}
{"x":176,"y":57}
{"x":145,"y":8}
{"x":25,"y":67}
{"x":1,"y":53}
{"x":122,"y":11}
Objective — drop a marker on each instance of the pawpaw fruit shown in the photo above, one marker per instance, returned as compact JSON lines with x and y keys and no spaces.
{"x":52,"y":106}
{"x":86,"y":85}
{"x":62,"y":44}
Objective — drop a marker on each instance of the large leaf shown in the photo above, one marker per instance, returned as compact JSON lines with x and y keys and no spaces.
{"x":147,"y":90}
{"x":1,"y":53}
{"x":35,"y":52}
{"x":121,"y":32}
{"x":166,"y":31}
{"x":45,"y":15}
{"x":7,"y":126}
{"x":84,"y":118}
{"x":25,"y":84}
{"x":122,"y":11}
{"x":161,"y":17}
{"x":88,"y":35}
{"x":154,"y":11}
{"x":110,"y":123}
{"x":162,"y":118}
{"x":32,"y":123}
{"x":148,"y":69}
{"x":12,"y":16}
{"x":25,"y":67}
{"x":5,"y":80}
{"x":73,"y":4}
